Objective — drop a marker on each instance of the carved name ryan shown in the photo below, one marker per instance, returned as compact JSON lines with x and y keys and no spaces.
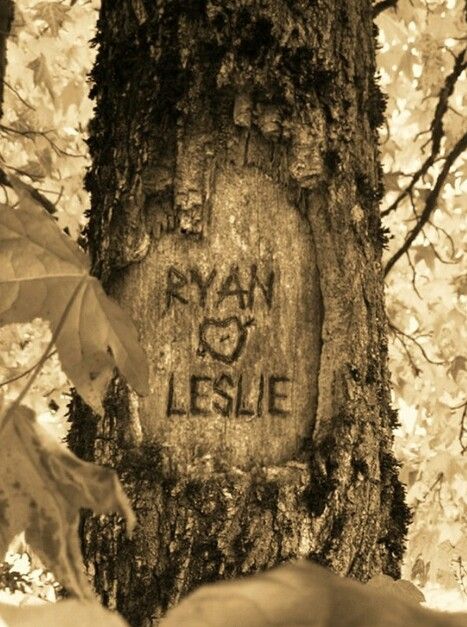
{"x":226,"y":394}
{"x":228,"y":286}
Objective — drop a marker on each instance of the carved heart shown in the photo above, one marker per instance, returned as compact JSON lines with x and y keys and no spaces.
{"x":224,"y":339}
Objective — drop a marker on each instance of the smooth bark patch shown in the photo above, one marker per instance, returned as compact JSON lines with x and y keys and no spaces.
{"x":232,"y":322}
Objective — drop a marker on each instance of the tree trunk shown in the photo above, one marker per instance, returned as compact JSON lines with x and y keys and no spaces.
{"x":7,"y":10}
{"x":235,"y":187}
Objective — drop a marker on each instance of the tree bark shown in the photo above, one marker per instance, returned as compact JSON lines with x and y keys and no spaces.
{"x":235,"y":187}
{"x":7,"y":10}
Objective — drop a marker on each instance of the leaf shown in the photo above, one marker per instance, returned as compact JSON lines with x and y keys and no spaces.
{"x":420,"y":571}
{"x":301,"y":594}
{"x":457,"y":366}
{"x":53,"y":13}
{"x":41,"y":74}
{"x":43,"y":273}
{"x":72,"y":94}
{"x":442,"y":463}
{"x":391,"y":182}
{"x":426,"y":254}
{"x":394,"y":30}
{"x":400,"y":587}
{"x":406,"y":64}
{"x":43,"y":488}
{"x":441,"y":564}
{"x":34,"y":170}
{"x":70,"y":613}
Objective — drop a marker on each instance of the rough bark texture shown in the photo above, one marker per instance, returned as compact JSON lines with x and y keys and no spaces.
{"x":232,"y":134}
{"x":6,"y":20}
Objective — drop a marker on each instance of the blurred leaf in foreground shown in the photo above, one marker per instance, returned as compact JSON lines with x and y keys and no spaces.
{"x":44,"y":274}
{"x":302,"y":594}
{"x":63,"y":614}
{"x":42,"y":490}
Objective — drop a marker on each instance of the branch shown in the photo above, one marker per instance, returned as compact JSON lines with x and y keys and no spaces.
{"x":436,"y":128}
{"x":18,"y":95}
{"x":463,"y":429}
{"x":26,"y":372}
{"x":383,"y":5}
{"x":30,"y":134}
{"x":414,"y":275}
{"x":38,"y":197}
{"x":417,"y":344}
{"x":430,"y":203}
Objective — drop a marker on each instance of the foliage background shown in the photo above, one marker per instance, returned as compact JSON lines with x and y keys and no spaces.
{"x":422,"y":72}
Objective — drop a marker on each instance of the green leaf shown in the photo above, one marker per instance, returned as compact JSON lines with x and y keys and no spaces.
{"x":41,"y":271}
{"x":42,"y":490}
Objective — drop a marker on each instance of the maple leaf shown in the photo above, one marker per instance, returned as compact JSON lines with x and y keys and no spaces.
{"x":43,"y":487}
{"x":302,"y":593}
{"x":44,"y":274}
{"x":72,"y":94}
{"x":426,"y":254}
{"x":41,"y":74}
{"x":53,"y":13}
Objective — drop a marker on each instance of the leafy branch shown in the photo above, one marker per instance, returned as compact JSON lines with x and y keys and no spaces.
{"x":35,"y":194}
{"x":414,"y":340}
{"x":430,"y":203}
{"x":30,"y":134}
{"x":18,"y":95}
{"x":436,"y":128}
